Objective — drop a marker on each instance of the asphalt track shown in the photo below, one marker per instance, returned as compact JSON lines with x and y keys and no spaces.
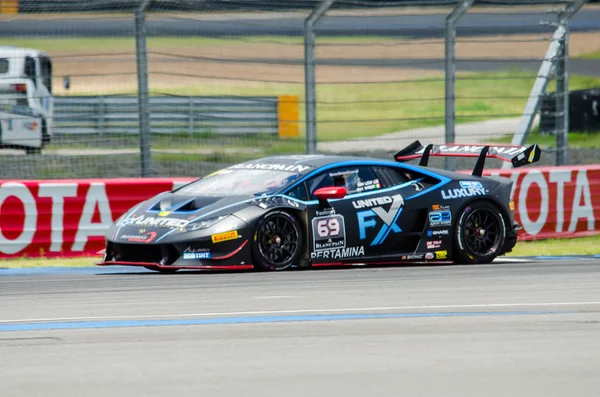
{"x":399,"y":25}
{"x":506,"y":329}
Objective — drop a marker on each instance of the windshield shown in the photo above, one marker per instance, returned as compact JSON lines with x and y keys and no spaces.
{"x":240,"y":182}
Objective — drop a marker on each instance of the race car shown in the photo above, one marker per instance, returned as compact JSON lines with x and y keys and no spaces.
{"x":302,"y":211}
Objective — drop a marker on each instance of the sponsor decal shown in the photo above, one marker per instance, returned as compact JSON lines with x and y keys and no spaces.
{"x":434,"y":244}
{"x":368,"y":185}
{"x":164,"y":213}
{"x":412,"y":257}
{"x":464,"y":192}
{"x":367,"y":203}
{"x":369,"y":218}
{"x":196,"y":255}
{"x":329,"y":232}
{"x":509,"y":151}
{"x":441,"y":216}
{"x":139,"y":238}
{"x":429,"y":255}
{"x":443,"y":232}
{"x":511,"y":205}
{"x":441,"y":254}
{"x":468,"y":184}
{"x":218,"y":238}
{"x":201,"y":253}
{"x":143,"y":220}
{"x":339,"y":253}
{"x":271,"y":166}
{"x":327,"y":211}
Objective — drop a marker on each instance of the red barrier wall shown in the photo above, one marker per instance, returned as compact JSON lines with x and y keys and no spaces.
{"x":68,"y":218}
{"x":553,"y":202}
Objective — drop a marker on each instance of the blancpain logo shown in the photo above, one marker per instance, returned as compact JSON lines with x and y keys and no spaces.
{"x":267,"y":166}
{"x":150,"y":221}
{"x":476,"y":149}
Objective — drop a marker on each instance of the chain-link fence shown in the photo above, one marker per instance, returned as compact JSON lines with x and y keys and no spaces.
{"x":229,"y":80}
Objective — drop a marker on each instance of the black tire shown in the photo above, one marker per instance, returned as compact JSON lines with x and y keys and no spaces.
{"x":479,"y":234}
{"x":158,"y":269}
{"x":277,"y":242}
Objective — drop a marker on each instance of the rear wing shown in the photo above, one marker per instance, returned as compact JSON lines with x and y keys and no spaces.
{"x":517,"y":155}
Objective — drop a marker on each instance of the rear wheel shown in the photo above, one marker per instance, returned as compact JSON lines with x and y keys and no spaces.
{"x":480,"y":233}
{"x":278,"y":241}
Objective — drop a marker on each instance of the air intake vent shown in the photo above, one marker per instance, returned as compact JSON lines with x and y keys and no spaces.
{"x":191,"y":206}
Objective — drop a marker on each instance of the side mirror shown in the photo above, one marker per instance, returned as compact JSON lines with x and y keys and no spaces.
{"x":332,"y":192}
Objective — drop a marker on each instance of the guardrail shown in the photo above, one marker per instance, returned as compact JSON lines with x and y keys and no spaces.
{"x":68,"y":218}
{"x":176,"y":114}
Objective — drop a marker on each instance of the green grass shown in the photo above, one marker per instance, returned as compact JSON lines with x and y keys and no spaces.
{"x":119,"y":44}
{"x":591,"y":55}
{"x":569,"y":246}
{"x":576,"y":139}
{"x":347,"y":111}
{"x":344,"y":110}
{"x":48,"y":262}
{"x":574,"y":246}
{"x":361,"y":110}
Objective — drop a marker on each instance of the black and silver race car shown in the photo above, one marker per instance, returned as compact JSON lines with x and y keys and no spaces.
{"x":319,"y":210}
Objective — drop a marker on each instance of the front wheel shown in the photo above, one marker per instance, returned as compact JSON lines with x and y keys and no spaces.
{"x":479,"y":234}
{"x":278,"y":241}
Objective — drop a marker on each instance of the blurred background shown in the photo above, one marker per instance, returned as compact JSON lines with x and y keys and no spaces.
{"x":171,"y":88}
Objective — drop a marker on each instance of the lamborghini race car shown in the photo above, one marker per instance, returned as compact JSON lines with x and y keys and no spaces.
{"x":320,"y":210}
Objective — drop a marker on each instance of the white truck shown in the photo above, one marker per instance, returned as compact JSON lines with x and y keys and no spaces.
{"x":26,"y":101}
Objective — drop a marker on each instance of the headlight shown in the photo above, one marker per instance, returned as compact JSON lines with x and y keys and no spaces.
{"x":204,"y":223}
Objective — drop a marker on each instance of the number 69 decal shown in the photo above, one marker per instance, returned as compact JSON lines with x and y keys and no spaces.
{"x":328,"y":227}
{"x":329,"y":232}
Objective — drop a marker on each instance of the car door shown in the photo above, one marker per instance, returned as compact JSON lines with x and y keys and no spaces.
{"x":365,"y":225}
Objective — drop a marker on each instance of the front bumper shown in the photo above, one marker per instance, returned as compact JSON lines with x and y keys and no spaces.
{"x":233,"y":255}
{"x":158,"y":266}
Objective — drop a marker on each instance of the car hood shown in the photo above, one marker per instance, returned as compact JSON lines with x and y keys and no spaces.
{"x":175,"y":211}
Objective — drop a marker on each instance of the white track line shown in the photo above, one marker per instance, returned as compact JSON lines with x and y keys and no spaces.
{"x":294,"y":311}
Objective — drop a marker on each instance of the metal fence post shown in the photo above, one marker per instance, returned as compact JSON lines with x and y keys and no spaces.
{"x":556,"y":58}
{"x":102,"y":115}
{"x":143,"y":95}
{"x":309,"y":74}
{"x":450,"y":80}
{"x":562,"y":98}
{"x":562,"y":86}
{"x":539,"y":88}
